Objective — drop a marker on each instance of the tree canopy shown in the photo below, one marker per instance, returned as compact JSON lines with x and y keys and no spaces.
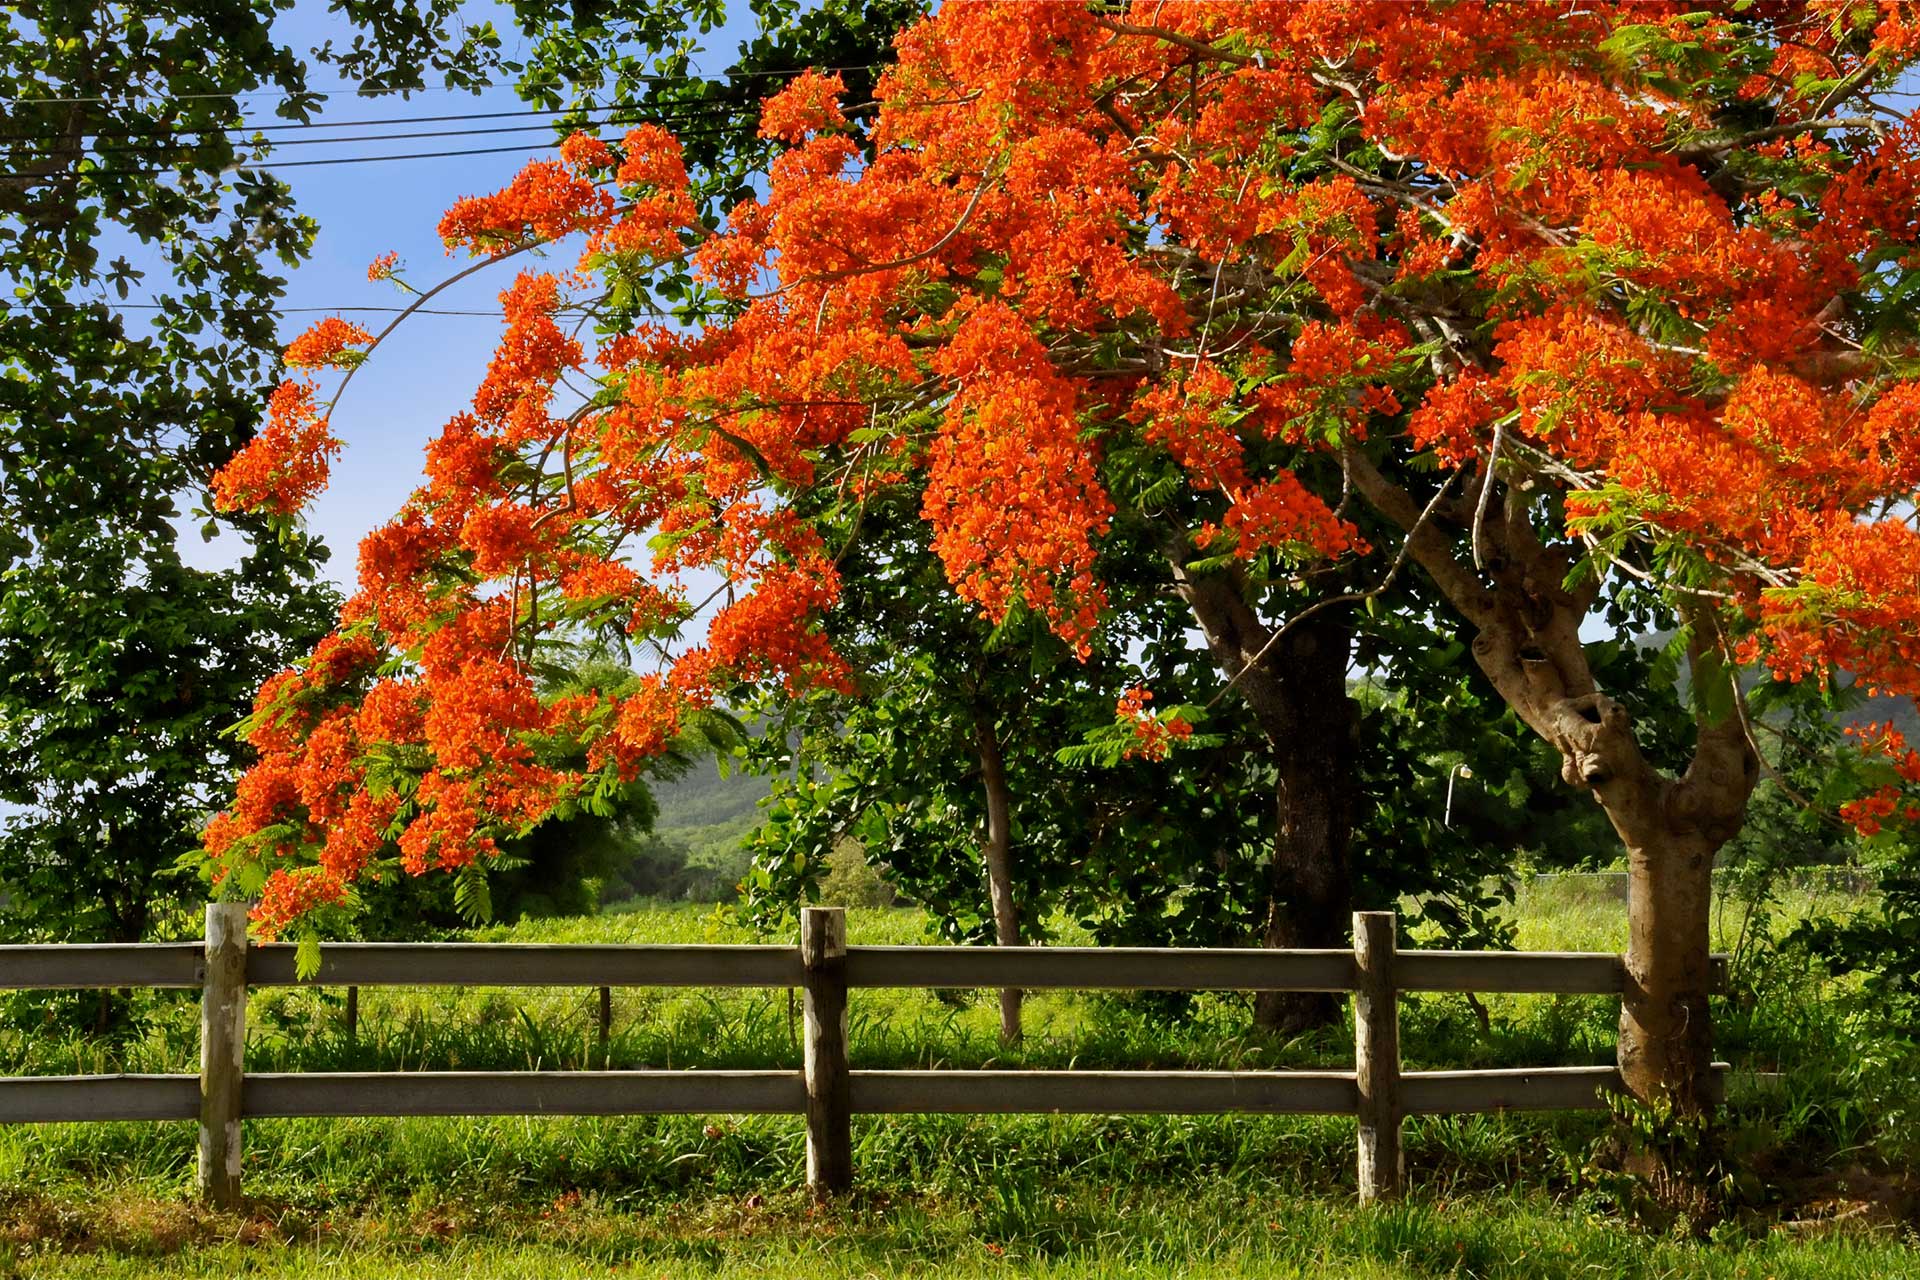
{"x":1611,"y":298}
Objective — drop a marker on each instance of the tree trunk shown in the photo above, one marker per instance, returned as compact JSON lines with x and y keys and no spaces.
{"x":1666,"y":1042}
{"x":1528,"y":644}
{"x":1295,"y":683}
{"x":1672,"y":830}
{"x":1309,"y":883}
{"x":999,"y":859}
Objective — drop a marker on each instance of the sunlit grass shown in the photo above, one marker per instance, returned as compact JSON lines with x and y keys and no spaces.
{"x":940,"y":1195}
{"x":1007,"y":1226}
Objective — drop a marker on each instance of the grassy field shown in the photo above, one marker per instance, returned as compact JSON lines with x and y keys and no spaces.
{"x":943,"y":1196}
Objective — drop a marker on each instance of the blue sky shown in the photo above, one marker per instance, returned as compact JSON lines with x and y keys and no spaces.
{"x":428,"y":369}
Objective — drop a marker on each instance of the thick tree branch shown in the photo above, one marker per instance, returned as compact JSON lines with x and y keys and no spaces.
{"x":1427,"y":544}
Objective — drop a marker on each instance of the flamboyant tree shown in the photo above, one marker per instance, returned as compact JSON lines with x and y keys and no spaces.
{"x":1611,"y":295}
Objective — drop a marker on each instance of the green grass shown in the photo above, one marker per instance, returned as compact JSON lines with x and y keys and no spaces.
{"x":940,"y":1195}
{"x":1216,"y":1228}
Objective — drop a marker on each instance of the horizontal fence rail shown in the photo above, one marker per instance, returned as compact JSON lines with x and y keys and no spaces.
{"x":525,"y":1093}
{"x":519,"y":964}
{"x":57,"y":1099}
{"x":1101,"y":968}
{"x":515,"y":964}
{"x":827,"y":1090}
{"x":110,"y":964}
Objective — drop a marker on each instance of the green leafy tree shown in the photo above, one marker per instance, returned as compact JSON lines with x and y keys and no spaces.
{"x":121,"y":666}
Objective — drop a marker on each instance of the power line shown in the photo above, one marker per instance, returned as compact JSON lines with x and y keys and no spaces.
{"x":302,"y":164}
{"x":75,"y":305}
{"x":691,"y":110}
{"x":549,"y":126}
{"x":733,"y":74}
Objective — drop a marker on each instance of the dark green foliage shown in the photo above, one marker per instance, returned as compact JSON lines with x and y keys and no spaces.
{"x":120,"y":665}
{"x":560,"y":868}
{"x":1138,"y":851}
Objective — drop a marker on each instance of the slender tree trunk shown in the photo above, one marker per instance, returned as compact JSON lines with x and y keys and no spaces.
{"x":998,"y":853}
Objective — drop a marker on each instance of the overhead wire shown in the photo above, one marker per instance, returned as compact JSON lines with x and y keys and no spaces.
{"x":248,"y":166}
{"x":385,"y":137}
{"x":671,"y":111}
{"x":705,"y":114}
{"x":696,"y":77}
{"x":75,"y":304}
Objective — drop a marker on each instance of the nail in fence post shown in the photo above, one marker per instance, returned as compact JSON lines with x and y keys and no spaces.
{"x":823,"y":954}
{"x":223,"y":1038}
{"x":1376,"y":1056}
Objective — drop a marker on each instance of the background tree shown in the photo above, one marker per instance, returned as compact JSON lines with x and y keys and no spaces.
{"x":120,"y":666}
{"x":123,"y":665}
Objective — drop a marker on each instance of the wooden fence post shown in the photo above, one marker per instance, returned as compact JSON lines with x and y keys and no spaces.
{"x":353,"y":1013}
{"x":223,"y":1039}
{"x":823,"y":954}
{"x":1376,"y":1055}
{"x":606,"y":1027}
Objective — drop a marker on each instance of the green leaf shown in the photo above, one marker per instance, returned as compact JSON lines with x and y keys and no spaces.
{"x":472,"y":896}
{"x":306,"y":957}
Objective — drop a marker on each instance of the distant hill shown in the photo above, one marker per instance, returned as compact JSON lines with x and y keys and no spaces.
{"x":703,"y":798}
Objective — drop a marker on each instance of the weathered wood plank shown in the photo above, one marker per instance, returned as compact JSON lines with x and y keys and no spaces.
{"x":100,"y":964}
{"x":823,"y":952}
{"x":178,"y":964}
{"x":51,"y":1099}
{"x":1544,"y":972}
{"x":1102,"y":968}
{"x":1547,"y":972}
{"x":1522,"y":1089}
{"x":223,"y":1040}
{"x":515,"y":964}
{"x":1376,"y":1056}
{"x":1103,"y":1092}
{"x":525,"y":1093}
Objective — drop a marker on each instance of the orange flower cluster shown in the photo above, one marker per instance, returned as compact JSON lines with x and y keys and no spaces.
{"x":1214,"y":246}
{"x":809,"y":103}
{"x":1012,"y":493}
{"x":326,"y":343}
{"x":545,"y":202}
{"x":281,"y":469}
{"x":291,"y":893}
{"x":1153,"y":736}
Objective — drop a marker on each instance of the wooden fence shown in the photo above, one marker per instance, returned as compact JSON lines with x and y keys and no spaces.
{"x":826,"y":1089}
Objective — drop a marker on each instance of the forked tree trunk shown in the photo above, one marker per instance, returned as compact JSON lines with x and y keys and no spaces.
{"x":998,"y":853}
{"x":1529,"y":646}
